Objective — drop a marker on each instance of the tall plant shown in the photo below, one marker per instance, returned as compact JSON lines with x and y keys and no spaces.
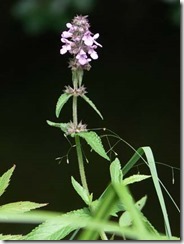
{"x":94,"y":220}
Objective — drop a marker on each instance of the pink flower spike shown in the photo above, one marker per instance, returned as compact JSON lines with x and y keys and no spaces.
{"x":80,"y":42}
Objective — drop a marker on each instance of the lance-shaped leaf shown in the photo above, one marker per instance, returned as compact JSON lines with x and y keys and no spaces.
{"x":92,"y":105}
{"x":135,"y":178}
{"x":20,"y":207}
{"x":95,"y":143}
{"x":115,"y":171}
{"x":62,"y":126}
{"x":5,"y":179}
{"x":61,"y":102}
{"x":81,"y":191}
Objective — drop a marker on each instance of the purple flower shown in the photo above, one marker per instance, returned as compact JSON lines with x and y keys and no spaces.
{"x":89,"y":40}
{"x":79,"y":41}
{"x":92,"y":52}
{"x":65,"y":47}
{"x":82,"y":57}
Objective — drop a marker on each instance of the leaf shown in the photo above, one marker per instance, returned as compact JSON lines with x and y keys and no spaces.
{"x":95,"y":143}
{"x":115,"y":171}
{"x":57,"y":228}
{"x":135,"y":178}
{"x":81,"y":191}
{"x":61,"y":102}
{"x":126,"y":219}
{"x":92,"y":105}
{"x":20,"y":207}
{"x":152,"y":166}
{"x":135,"y":214}
{"x":11,"y":237}
{"x":62,"y":126}
{"x":114,"y":210}
{"x":5,"y":179}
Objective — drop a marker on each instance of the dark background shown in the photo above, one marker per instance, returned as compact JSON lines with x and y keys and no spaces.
{"x":135,"y":84}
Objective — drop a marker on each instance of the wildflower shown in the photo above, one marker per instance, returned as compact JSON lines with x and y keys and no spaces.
{"x":79,"y":41}
{"x":82,"y":57}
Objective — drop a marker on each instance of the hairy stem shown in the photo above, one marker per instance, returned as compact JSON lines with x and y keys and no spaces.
{"x":75,"y":119}
{"x":81,"y":163}
{"x":77,"y":80}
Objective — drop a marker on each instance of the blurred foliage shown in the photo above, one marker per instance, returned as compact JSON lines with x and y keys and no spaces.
{"x":174,"y":11}
{"x":43,"y":15}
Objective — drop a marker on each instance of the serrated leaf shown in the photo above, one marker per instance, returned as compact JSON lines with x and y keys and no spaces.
{"x":95,"y":143}
{"x":5,"y":179}
{"x":92,"y":105}
{"x":20,"y":207}
{"x":57,"y":228}
{"x":81,"y":191}
{"x":61,"y":102}
{"x":126,"y":219}
{"x":62,"y":126}
{"x":11,"y":237}
{"x":114,"y":210}
{"x":135,"y":178}
{"x":115,"y":171}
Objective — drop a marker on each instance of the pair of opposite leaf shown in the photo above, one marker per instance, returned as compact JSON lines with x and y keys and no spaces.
{"x":90,"y":137}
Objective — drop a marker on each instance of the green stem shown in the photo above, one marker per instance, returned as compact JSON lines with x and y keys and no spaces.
{"x":81,"y":163}
{"x":75,"y":120}
{"x":77,"y":79}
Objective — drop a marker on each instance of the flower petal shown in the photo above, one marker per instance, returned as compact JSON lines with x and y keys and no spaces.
{"x":63,"y":50}
{"x":96,"y":36}
{"x":88,"y":40}
{"x":94,"y":55}
{"x":66,"y":34}
{"x":69,"y":25}
{"x":82,"y":60}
